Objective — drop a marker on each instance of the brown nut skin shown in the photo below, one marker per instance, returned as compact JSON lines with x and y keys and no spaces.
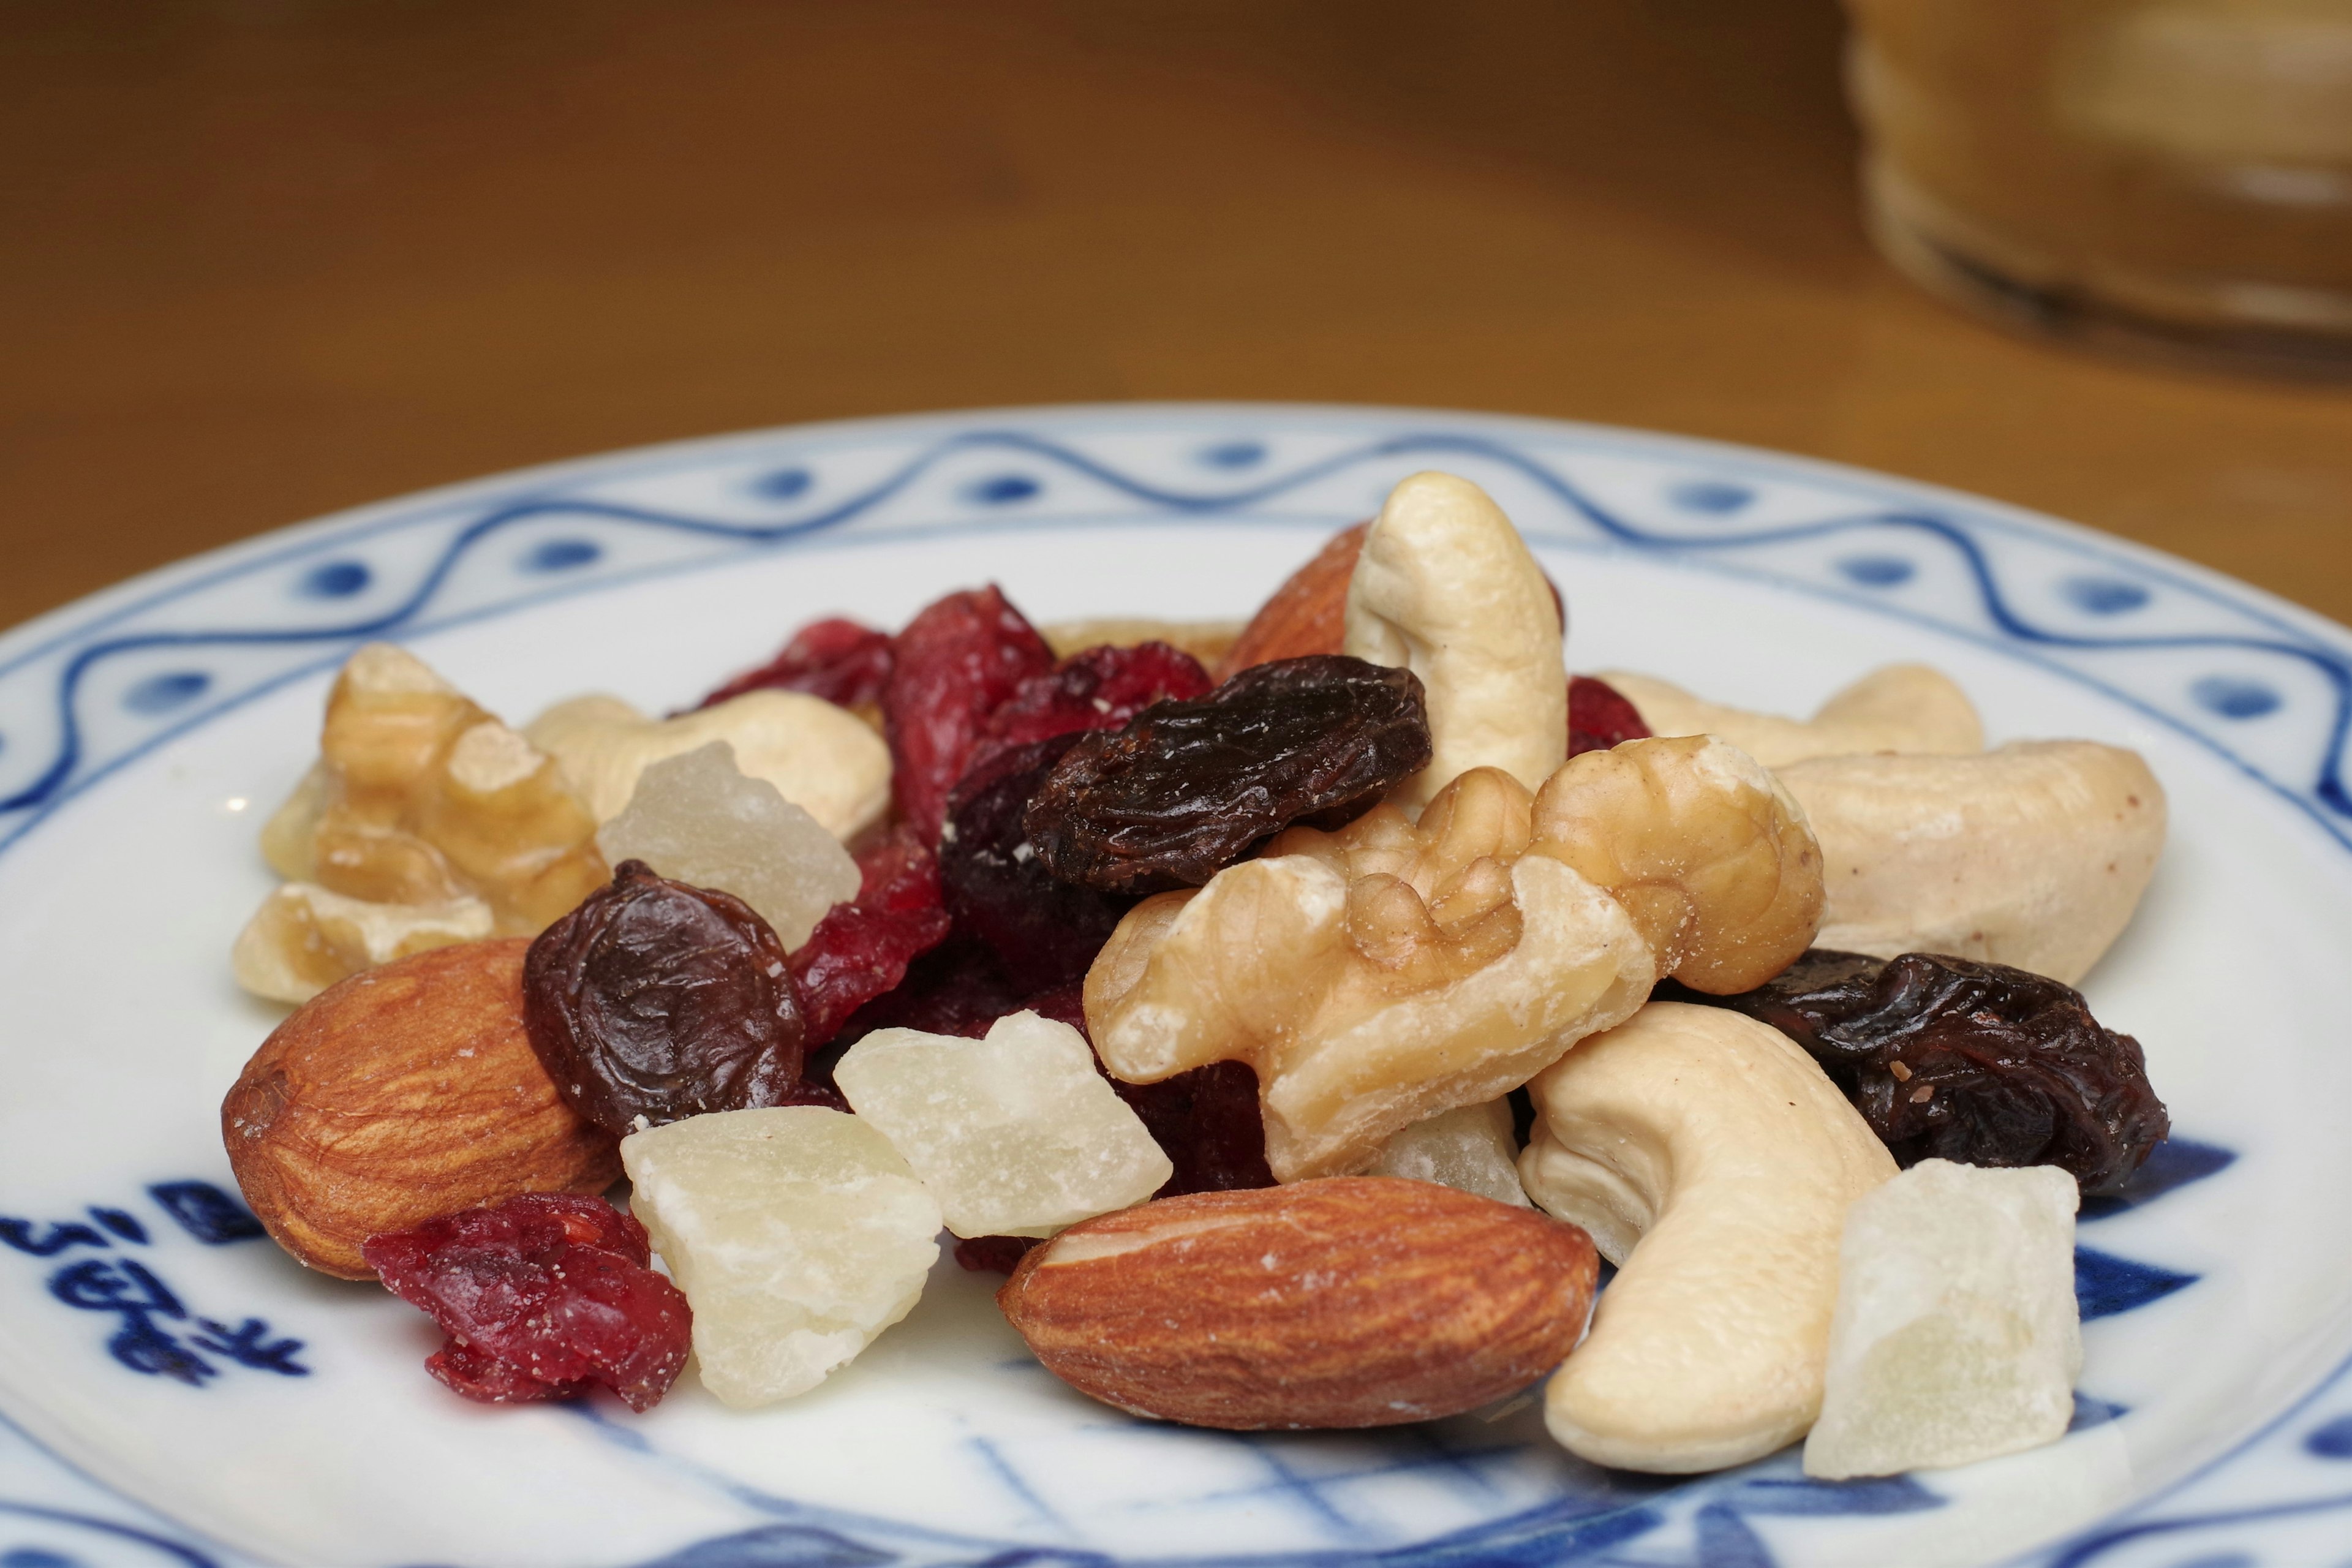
{"x":404,"y":1093}
{"x":1352,"y":1301}
{"x":1309,"y":614}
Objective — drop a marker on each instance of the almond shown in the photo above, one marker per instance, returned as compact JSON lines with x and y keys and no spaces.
{"x":404,"y":1093}
{"x":1352,"y":1301}
{"x":1309,"y":614}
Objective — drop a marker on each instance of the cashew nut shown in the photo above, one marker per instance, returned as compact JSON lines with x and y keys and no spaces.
{"x":1445,"y":586}
{"x":1713,"y":1162}
{"x":2034,"y":855}
{"x":1899,"y":707}
{"x":821,"y":758}
{"x":1707,"y":851}
{"x":1370,"y":998}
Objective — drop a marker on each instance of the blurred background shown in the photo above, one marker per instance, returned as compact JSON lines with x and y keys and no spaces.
{"x":264,"y":258}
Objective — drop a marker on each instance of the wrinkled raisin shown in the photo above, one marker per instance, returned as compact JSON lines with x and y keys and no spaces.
{"x":1097,"y":689}
{"x":993,"y":1254}
{"x":1600,"y":717}
{"x":1185,"y":789}
{"x":1977,"y":1063}
{"x":957,"y":662}
{"x":658,"y":1000}
{"x":1042,"y":930}
{"x":838,"y":661}
{"x":860,"y":949}
{"x":543,"y":1297}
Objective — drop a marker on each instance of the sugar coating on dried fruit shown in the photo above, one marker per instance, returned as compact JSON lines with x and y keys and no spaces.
{"x":1469,"y":1149}
{"x":1016,"y":1134}
{"x":1185,"y":789}
{"x":799,"y":1234}
{"x":695,"y":818}
{"x":541,"y":1296}
{"x":304,"y":938}
{"x":1957,"y":1335}
{"x":655,"y":1001}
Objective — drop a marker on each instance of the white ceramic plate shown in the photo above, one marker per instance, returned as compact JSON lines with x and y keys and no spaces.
{"x":178,"y":1391}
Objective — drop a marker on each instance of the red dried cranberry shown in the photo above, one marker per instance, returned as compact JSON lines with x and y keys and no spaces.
{"x":860,"y":949}
{"x":541,"y":1296}
{"x":956,"y":663}
{"x":1600,"y":717}
{"x":1043,"y":931}
{"x":1097,"y":689}
{"x":838,"y":661}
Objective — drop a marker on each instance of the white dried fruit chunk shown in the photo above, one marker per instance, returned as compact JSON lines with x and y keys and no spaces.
{"x":1469,"y":1148}
{"x":797,"y":1233}
{"x":304,"y":938}
{"x":1016,"y":1134}
{"x":695,"y":818}
{"x":1957,"y":1336}
{"x":821,"y":757}
{"x":1911,"y":708}
{"x":1445,"y":588}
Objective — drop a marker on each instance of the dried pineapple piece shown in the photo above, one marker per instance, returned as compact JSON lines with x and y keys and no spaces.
{"x":797,"y":1233}
{"x":1957,"y":1335}
{"x":695,"y":818}
{"x":1016,"y":1134}
{"x":1469,"y":1148}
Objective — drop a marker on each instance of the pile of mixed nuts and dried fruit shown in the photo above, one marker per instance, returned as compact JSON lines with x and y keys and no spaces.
{"x":1210,"y":986}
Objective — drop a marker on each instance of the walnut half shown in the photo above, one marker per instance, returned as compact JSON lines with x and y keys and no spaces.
{"x":1391,"y":971}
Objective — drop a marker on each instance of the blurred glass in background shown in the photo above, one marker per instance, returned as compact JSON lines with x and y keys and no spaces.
{"x":2173,"y":173}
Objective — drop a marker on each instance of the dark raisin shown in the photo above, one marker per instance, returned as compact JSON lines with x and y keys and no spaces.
{"x":1978,"y":1063}
{"x":957,"y":662}
{"x":1600,"y":717}
{"x":1206,"y":1120}
{"x":1185,"y":789}
{"x":1097,"y":689}
{"x":658,"y":1000}
{"x":861,"y":949}
{"x":1043,"y":931}
{"x":543,"y":1297}
{"x":838,"y":661}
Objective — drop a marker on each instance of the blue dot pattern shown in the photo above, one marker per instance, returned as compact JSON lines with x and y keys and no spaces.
{"x":1715,"y":497}
{"x":784,"y":484}
{"x":560,"y":554}
{"x":161,"y":693}
{"x":336,"y":579}
{"x":2104,"y":595}
{"x":2233,"y":698}
{"x":1001,"y":489}
{"x":1234,"y":454}
{"x":1877,"y":571}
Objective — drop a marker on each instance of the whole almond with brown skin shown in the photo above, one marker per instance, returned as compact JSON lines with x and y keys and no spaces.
{"x":405,"y":1092}
{"x":1352,"y":1301}
{"x":1309,"y":614}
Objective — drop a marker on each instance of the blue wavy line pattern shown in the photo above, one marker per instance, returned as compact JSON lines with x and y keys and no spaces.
{"x":58,"y":685}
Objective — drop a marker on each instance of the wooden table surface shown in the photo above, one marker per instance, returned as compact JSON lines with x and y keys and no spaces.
{"x":262,"y":258}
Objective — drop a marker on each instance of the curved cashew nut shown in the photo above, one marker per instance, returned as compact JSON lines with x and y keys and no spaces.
{"x":1366,"y":1002}
{"x":822,"y":758}
{"x":1445,"y":586}
{"x":2034,"y":855}
{"x":1900,"y":708}
{"x":1713,"y":1162}
{"x":1708,"y":853}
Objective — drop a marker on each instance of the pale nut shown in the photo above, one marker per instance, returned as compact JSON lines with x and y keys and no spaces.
{"x":1443,"y":968}
{"x":2034,"y":855}
{"x":1708,"y":853}
{"x":1361,"y":1301}
{"x":1714,"y":1162}
{"x":1445,"y":586}
{"x":304,"y":938}
{"x":421,"y":797}
{"x":1909,"y":708}
{"x":821,"y":757}
{"x":404,"y":1093}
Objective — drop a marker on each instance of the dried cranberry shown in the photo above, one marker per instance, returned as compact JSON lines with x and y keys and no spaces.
{"x":541,"y":1296}
{"x":1600,"y":717}
{"x":1097,"y":689}
{"x":1978,"y":1063}
{"x":957,"y":988}
{"x":860,"y":949}
{"x":1043,"y":931}
{"x":1185,"y":789}
{"x":956,"y":663}
{"x":658,"y":1000}
{"x":838,"y":661}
